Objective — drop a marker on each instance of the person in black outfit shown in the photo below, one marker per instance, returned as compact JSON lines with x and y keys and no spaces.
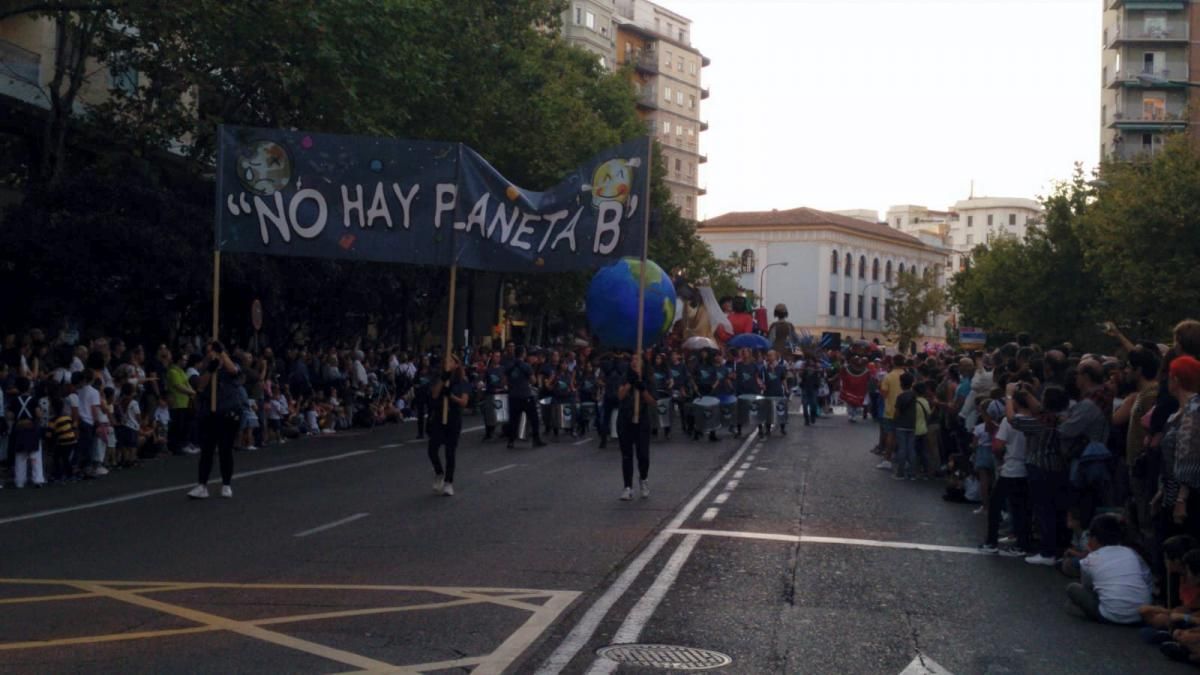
{"x":614,"y":375}
{"x":635,"y":436}
{"x":421,"y":407}
{"x":218,"y":427}
{"x":448,"y":396}
{"x":493,"y":384}
{"x":521,"y":389}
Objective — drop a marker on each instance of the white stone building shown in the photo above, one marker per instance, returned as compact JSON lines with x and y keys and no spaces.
{"x":837,"y":267}
{"x":982,"y":219}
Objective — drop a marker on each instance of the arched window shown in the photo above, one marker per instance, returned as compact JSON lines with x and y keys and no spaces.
{"x":875,"y":270}
{"x":888,"y":275}
{"x":849,"y":265}
{"x":862,"y":267}
{"x":901,"y":269}
{"x":833,"y":262}
{"x":747,"y":262}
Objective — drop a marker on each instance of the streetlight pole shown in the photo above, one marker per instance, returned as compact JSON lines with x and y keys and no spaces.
{"x":761,"y":274}
{"x":862,"y":320}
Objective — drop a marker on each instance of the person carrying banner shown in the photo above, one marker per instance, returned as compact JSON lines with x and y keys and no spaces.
{"x":452,"y":388}
{"x":219,"y":424}
{"x":635,"y":436}
{"x":521,"y":399}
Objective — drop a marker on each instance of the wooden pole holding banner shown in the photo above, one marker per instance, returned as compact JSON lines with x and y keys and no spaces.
{"x":641,"y":303}
{"x":216,"y":304}
{"x":449,"y":359}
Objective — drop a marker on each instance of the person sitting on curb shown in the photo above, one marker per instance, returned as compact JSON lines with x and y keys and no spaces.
{"x":1114,"y":580}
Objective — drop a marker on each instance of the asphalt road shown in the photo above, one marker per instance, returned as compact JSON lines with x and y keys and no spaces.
{"x":790,"y":555}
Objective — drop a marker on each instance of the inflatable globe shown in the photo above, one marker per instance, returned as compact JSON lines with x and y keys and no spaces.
{"x":612,"y":304}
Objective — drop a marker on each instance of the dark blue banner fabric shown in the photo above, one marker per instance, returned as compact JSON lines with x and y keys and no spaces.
{"x":294,"y":193}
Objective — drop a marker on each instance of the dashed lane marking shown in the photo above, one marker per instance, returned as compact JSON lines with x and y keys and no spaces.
{"x":710,"y":515}
{"x":506,"y":467}
{"x":391,"y":445}
{"x":739,"y":474}
{"x":330,"y":526}
{"x":721,"y":498}
{"x":746,"y":465}
{"x":731,"y":486}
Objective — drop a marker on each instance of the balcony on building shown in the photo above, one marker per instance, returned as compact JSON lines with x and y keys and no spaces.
{"x":1173,"y":76}
{"x":1149,"y":117}
{"x":703,"y":93}
{"x":19,"y":63}
{"x":703,"y":126}
{"x":703,"y":158}
{"x":1134,"y":149}
{"x":647,"y":96}
{"x":705,"y":62}
{"x":646,"y":62}
{"x":1131,"y":31}
{"x":1166,"y":5}
{"x":700,"y":192}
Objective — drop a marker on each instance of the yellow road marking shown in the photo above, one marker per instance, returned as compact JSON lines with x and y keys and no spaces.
{"x":242,"y":628}
{"x":114,"y":637}
{"x":316,"y":587}
{"x":519,"y":641}
{"x":46,"y":598}
{"x":296,"y":618}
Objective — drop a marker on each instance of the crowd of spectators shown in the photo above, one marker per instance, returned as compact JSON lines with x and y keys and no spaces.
{"x":1086,"y":463}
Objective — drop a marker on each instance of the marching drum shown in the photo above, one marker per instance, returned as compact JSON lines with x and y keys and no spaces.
{"x":587,"y":413}
{"x":562,"y":416}
{"x":772,"y":411}
{"x":662,"y":414}
{"x":747,"y":407}
{"x":728,"y":410}
{"x":706,"y":413}
{"x":495,"y":409}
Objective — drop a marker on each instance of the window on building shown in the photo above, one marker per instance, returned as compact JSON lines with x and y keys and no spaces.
{"x":875,"y":270}
{"x":845,"y":304}
{"x":667,"y":94}
{"x":691,"y":102}
{"x":833,"y":262}
{"x":668,"y":57}
{"x":666,"y":127}
{"x":691,"y":167}
{"x":832,"y":303}
{"x":603,"y":63}
{"x":874,"y":309}
{"x":690,"y":200}
{"x":1154,"y":106}
{"x":888,"y":272}
{"x":849,"y":270}
{"x":861,"y":300}
{"x":678,"y":129}
{"x":678,"y":97}
{"x":901,"y":269}
{"x":682,"y":35}
{"x":1012,"y":219}
{"x":747,"y":262}
{"x":679,"y":64}
{"x":989,"y":220}
{"x":589,"y":20}
{"x":1155,"y":25}
{"x":678,"y":165}
{"x":970,"y":239}
{"x":862,"y":267}
{"x":692,"y":67}
{"x":887,"y":310}
{"x":691,"y":130}
{"x":897,"y":222}
{"x":970,"y":221}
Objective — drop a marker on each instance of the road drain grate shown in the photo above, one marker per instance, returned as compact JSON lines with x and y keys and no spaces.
{"x":669,"y":657}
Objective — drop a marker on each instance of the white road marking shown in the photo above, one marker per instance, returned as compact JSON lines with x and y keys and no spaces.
{"x":710,"y":515}
{"x":923,"y":665}
{"x":761,"y":468}
{"x":637,"y":618}
{"x":721,"y":498}
{"x":814,"y":539}
{"x":506,"y":467}
{"x":391,"y":445}
{"x":746,"y":465}
{"x":586,"y":440}
{"x":330,"y":526}
{"x":739,"y":474}
{"x":176,"y":488}
{"x":731,"y":486}
{"x":583,"y":631}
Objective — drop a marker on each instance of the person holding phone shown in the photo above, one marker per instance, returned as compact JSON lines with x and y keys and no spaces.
{"x":220,"y":417}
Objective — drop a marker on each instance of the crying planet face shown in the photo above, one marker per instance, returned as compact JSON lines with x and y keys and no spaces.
{"x":264,"y":167}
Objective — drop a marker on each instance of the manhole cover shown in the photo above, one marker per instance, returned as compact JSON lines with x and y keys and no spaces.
{"x":670,"y":657}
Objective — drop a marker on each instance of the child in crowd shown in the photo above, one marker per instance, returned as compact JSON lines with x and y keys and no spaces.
{"x":1078,"y":549}
{"x":984,"y":461}
{"x":1114,"y":580}
{"x":1177,"y":629}
{"x":277,"y":410}
{"x":1175,"y":552}
{"x":24,"y":423}
{"x":106,"y":438}
{"x":162,"y":426}
{"x":61,"y":437}
{"x":1012,"y":486}
{"x":129,"y":426}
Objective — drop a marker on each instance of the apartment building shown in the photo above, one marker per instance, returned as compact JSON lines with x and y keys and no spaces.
{"x":920,"y":220}
{"x":1147,"y":67}
{"x":591,"y":24}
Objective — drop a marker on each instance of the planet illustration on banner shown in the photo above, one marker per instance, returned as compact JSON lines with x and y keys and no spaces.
{"x":612,"y":304}
{"x":264,"y":167}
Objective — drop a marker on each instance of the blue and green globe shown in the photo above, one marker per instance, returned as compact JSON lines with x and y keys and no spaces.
{"x":612,"y":304}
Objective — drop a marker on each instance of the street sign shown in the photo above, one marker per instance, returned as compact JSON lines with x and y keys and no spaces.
{"x":971,"y":338}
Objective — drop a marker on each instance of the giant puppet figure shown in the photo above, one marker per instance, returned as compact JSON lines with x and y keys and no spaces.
{"x":740,"y":320}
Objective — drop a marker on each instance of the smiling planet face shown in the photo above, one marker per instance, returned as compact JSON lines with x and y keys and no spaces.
{"x":264,"y":167}
{"x":612,"y":182}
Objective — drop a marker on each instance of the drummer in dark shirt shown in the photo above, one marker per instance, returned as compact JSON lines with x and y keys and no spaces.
{"x":681,"y":390}
{"x":749,"y":378}
{"x":493,"y":384}
{"x":775,"y":385}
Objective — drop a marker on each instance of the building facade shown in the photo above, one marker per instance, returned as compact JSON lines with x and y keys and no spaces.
{"x":979,"y":220}
{"x":591,"y":24}
{"x":920,"y":220}
{"x":837,"y":270}
{"x":1148,"y":59}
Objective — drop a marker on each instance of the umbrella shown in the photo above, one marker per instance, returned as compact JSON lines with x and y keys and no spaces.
{"x":699,"y":342}
{"x":750,"y":341}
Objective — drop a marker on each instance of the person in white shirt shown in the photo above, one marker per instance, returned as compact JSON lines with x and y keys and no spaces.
{"x":1114,"y":580}
{"x":89,"y":415}
{"x":1012,"y":486}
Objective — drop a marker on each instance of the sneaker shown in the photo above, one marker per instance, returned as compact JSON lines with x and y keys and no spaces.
{"x":979,"y":511}
{"x":448,"y":490}
{"x":191,"y":450}
{"x":1014,"y":552}
{"x":198,"y":492}
{"x":1040,"y":559}
{"x":100,"y":471}
{"x":884,"y":465}
{"x":439,"y":484}
{"x":627,"y":495}
{"x":227,"y":491}
{"x":897,"y":476}
{"x":251,"y":447}
{"x":645,"y":490}
{"x":1009,"y":539}
{"x":988,"y":548}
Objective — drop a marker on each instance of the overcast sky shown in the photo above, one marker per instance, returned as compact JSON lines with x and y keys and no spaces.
{"x":841,"y":104}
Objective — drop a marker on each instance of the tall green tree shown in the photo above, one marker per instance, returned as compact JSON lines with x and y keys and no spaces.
{"x":916,"y":299}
